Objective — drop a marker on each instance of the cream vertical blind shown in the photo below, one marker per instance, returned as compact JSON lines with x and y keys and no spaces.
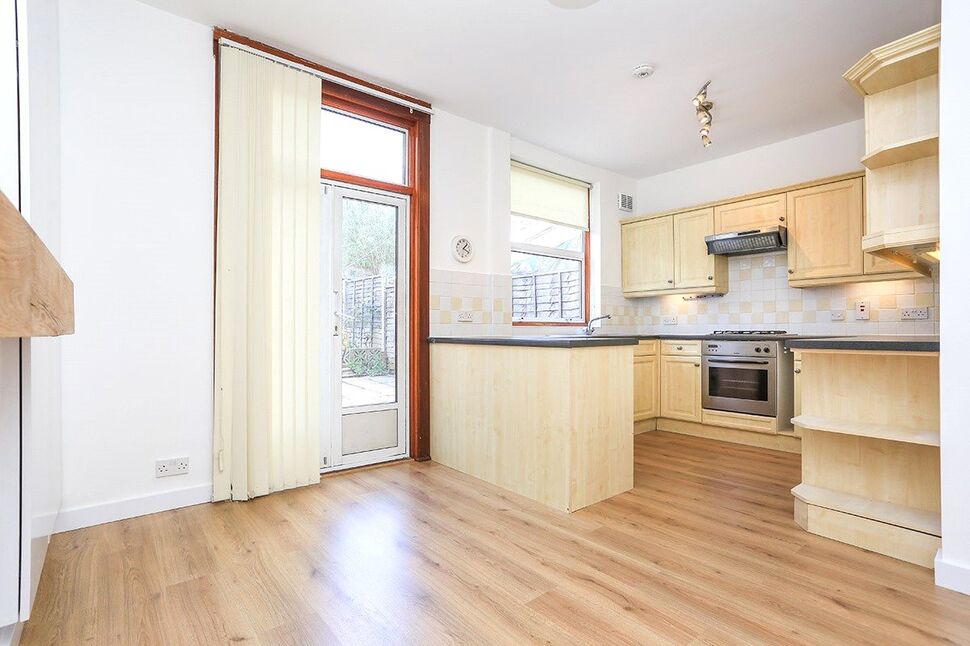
{"x":540,"y":194}
{"x":267,"y":372}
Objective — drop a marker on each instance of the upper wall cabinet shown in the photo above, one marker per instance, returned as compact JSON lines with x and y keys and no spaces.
{"x":757,"y":213}
{"x":648,"y":255}
{"x":900,"y":84}
{"x":668,"y":255}
{"x":825,"y":231}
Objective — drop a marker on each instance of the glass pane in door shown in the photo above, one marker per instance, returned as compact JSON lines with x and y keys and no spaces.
{"x":369,"y":303}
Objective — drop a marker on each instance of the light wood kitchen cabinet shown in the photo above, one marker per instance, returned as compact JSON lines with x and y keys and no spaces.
{"x":646,"y":387}
{"x":647,"y":253}
{"x":667,"y":255}
{"x":825,"y":235}
{"x":757,"y":213}
{"x":680,"y":388}
{"x":693,"y":267}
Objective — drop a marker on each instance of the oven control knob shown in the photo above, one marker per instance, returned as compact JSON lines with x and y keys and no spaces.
{"x":757,"y":349}
{"x":767,"y":349}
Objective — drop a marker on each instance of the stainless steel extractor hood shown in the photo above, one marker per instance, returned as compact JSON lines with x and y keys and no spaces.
{"x":742,"y":243}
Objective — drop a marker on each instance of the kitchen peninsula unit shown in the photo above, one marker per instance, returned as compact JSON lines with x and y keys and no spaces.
{"x":549,"y":418}
{"x":870,"y":422}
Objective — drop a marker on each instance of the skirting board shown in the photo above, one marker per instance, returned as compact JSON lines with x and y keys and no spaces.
{"x":950,"y":575}
{"x":10,"y":635}
{"x":781,"y":442}
{"x":645,"y":426}
{"x":78,"y":517}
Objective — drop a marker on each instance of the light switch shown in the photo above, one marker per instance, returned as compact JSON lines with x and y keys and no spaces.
{"x":862,"y":310}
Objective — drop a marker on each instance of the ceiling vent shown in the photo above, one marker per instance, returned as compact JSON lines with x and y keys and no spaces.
{"x":624,"y":202}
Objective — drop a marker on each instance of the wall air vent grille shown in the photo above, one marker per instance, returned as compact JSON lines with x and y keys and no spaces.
{"x":624,"y":202}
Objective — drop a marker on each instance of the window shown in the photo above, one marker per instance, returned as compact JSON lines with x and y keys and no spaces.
{"x":550,"y":244}
{"x":353,"y":145}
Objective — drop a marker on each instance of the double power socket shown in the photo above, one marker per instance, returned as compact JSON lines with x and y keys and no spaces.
{"x":171,"y":467}
{"x":905,"y":314}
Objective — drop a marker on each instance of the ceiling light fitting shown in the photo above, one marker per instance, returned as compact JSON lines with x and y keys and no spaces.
{"x":703,"y":108}
{"x":644,"y":70}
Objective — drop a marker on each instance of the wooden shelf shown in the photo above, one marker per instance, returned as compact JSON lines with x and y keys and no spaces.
{"x":904,"y":151}
{"x":36,"y":296}
{"x":902,"y":61}
{"x":878,"y":431}
{"x":916,"y":247}
{"x":886,"y":512}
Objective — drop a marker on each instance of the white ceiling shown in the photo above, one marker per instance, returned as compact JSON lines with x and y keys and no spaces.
{"x":562,"y":78}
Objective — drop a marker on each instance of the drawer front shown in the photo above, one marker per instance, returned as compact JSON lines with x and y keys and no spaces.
{"x":681,"y":348}
{"x":646,"y":348}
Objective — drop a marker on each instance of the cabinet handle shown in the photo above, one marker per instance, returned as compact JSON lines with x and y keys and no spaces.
{"x":791,"y":271}
{"x":697,"y":365}
{"x":781,"y":218}
{"x":798,"y":371}
{"x":670,"y":281}
{"x":710,"y":278}
{"x":680,"y":347}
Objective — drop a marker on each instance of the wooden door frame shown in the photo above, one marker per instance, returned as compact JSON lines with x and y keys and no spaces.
{"x":418,"y":127}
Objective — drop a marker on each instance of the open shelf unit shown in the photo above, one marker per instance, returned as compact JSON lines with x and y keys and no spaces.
{"x":918,"y":520}
{"x":900,"y":84}
{"x":878,"y":431}
{"x":870,"y":450}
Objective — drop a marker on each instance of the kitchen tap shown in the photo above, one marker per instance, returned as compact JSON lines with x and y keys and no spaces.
{"x":589,"y":326}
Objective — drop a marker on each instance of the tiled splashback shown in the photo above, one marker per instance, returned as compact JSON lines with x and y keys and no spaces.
{"x":759,"y":298}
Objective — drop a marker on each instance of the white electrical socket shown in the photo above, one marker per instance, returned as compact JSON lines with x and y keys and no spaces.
{"x":465,"y":316}
{"x":862,"y":310}
{"x":171,"y":467}
{"x":670,"y":320}
{"x":837,"y":316}
{"x":914,"y":313}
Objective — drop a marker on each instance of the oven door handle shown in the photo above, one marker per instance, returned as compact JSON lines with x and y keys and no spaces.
{"x":746,"y":361}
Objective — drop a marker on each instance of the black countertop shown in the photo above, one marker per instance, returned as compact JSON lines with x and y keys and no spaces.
{"x":598,"y":340}
{"x":540,"y":340}
{"x":871,"y":343}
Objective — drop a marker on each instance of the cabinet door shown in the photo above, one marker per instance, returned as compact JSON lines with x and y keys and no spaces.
{"x":693,"y":267}
{"x":647,"y":255}
{"x":758,"y":213}
{"x":646,"y":383}
{"x":825,"y":237}
{"x":680,"y":388}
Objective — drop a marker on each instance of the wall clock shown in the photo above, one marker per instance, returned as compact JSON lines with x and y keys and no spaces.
{"x":461,"y":248}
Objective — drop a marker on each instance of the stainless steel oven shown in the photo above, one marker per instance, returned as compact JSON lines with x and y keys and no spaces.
{"x":750,"y":377}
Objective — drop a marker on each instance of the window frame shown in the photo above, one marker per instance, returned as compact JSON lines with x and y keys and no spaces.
{"x":551,"y":252}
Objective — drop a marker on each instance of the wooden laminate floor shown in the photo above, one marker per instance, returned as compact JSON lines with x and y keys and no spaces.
{"x":702,"y":551}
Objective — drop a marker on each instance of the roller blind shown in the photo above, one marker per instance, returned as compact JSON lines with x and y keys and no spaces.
{"x":540,"y":194}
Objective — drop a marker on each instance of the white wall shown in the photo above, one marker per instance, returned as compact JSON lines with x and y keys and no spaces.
{"x":465,"y":182}
{"x":40,"y":143}
{"x":953,"y":562}
{"x":818,"y":154}
{"x":137,"y":186}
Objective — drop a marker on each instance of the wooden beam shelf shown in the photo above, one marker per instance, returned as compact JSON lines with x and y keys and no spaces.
{"x":36,"y":296}
{"x":903,"y":151}
{"x":886,"y":512}
{"x":878,"y":431}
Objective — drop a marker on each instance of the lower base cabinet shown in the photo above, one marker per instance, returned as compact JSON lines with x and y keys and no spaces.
{"x":646,"y":382}
{"x":680,"y":388}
